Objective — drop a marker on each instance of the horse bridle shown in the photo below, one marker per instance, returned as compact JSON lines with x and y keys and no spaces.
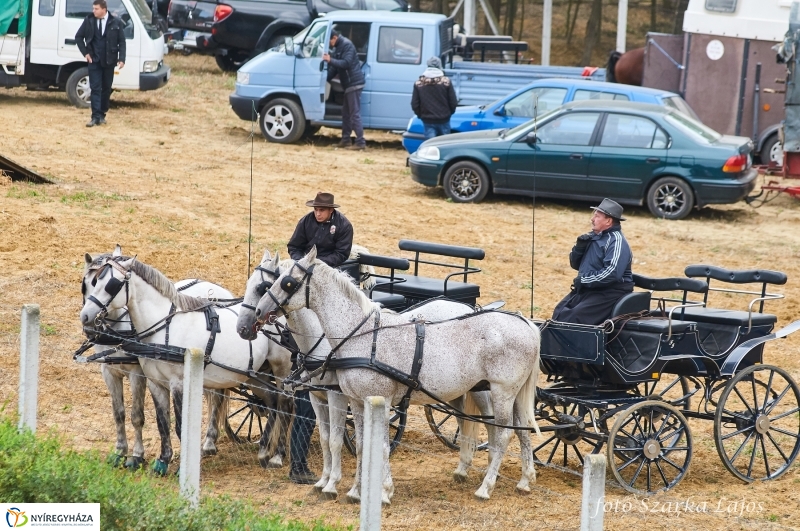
{"x":292,"y":286}
{"x":113,"y":286}
{"x":264,"y":285}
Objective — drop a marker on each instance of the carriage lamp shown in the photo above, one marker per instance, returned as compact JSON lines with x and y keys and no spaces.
{"x":243,"y":78}
{"x":428,"y":153}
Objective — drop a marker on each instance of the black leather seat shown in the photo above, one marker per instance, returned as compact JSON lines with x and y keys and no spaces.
{"x":725,"y":317}
{"x":426,"y":288}
{"x":657,"y":326}
{"x":392,"y":301}
{"x":638,"y":301}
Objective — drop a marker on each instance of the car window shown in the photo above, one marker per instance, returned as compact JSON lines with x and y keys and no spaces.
{"x":358,"y":34}
{"x":47,"y":8}
{"x":572,"y":129}
{"x":342,"y":4}
{"x":400,"y":45}
{"x":693,"y":128}
{"x":624,"y":130}
{"x":679,"y":104}
{"x":583,"y":95}
{"x":83,"y":8}
{"x":384,"y":5}
{"x":522,"y":104}
{"x":313,"y":42}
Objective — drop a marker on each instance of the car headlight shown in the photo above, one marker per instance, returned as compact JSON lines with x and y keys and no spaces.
{"x":428,"y":153}
{"x":151,"y":66}
{"x":243,"y":78}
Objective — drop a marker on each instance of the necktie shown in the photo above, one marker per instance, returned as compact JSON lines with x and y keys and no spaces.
{"x":100,"y":26}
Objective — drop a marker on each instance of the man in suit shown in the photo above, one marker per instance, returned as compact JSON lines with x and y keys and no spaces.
{"x":101,"y":39}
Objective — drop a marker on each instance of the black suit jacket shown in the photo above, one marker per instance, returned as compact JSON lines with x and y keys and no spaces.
{"x":115,"y":39}
{"x":334,"y":238}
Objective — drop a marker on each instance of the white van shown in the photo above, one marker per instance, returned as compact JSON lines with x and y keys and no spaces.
{"x":38,"y":48}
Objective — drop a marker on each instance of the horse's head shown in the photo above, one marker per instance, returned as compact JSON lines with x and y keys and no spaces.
{"x":104,"y":286}
{"x":286,"y":294}
{"x":257,"y":285}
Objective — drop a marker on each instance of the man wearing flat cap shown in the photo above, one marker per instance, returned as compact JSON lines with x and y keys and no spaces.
{"x":603,"y":260}
{"x":325,"y":227}
{"x":332,"y":233}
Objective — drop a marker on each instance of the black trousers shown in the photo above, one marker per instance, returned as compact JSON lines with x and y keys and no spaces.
{"x":100,"y":80}
{"x":590,"y":307}
{"x":302,"y":428}
{"x":351,"y":117}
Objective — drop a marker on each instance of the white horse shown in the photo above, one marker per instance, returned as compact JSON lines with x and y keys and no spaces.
{"x":118,"y":282}
{"x":331,"y":407}
{"x":495,"y":347}
{"x":115,"y":367}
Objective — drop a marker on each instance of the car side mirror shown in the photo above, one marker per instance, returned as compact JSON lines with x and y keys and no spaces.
{"x":530,"y":138}
{"x":288,"y":43}
{"x":500,"y":111}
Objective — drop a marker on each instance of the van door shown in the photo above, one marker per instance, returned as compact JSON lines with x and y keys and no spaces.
{"x":74,"y":11}
{"x":310,"y":70}
{"x":390,"y":76}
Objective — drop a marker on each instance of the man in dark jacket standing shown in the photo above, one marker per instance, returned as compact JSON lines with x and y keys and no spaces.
{"x":101,"y":40}
{"x":343,"y":61}
{"x":603,"y":259}
{"x":434,"y":99}
{"x":332,"y":233}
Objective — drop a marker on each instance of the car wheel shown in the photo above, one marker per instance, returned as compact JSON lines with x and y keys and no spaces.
{"x":772,"y":151}
{"x":466,"y":182}
{"x":282,"y":121}
{"x":79,"y":92}
{"x":232,"y":61}
{"x":670,"y":198}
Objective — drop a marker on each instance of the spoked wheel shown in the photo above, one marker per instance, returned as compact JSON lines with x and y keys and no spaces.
{"x":445,"y":427}
{"x":397,"y":425}
{"x":674,"y":390}
{"x":757,"y":424}
{"x":566,"y":447}
{"x":649,"y":447}
{"x":244,"y":424}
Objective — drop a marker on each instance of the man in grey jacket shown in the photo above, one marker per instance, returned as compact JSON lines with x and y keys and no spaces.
{"x":603,"y":260}
{"x":343,"y":61}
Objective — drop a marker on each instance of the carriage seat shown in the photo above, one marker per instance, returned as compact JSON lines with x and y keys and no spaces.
{"x":719,"y":316}
{"x":638,"y":301}
{"x":658,"y":326}
{"x":388,"y":300}
{"x":427,"y":288}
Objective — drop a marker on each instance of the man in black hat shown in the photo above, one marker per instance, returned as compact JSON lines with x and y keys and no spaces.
{"x":332,"y":233}
{"x":101,"y":40}
{"x":603,"y":260}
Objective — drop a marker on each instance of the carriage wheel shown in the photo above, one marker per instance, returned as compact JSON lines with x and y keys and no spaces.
{"x":649,"y":447}
{"x":757,"y":424}
{"x":244,"y":424}
{"x":397,"y":425}
{"x":567,"y":447}
{"x":673,"y":390}
{"x":445,"y":427}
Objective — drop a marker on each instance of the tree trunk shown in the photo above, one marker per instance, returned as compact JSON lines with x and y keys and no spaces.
{"x":653,"y":14}
{"x":511,"y":15}
{"x":593,"y":26}
{"x":415,"y":5}
{"x":438,"y":6}
{"x":572,"y":24}
{"x":680,"y":9}
{"x":521,"y":20}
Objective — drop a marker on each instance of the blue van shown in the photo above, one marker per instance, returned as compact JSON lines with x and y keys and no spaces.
{"x":517,"y":107}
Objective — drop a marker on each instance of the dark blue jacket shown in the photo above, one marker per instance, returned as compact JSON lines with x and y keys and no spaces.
{"x":115,"y":40}
{"x":334,"y":238}
{"x":344,"y":61}
{"x":604,"y":262}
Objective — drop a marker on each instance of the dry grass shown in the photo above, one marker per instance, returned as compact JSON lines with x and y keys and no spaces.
{"x":169,"y":179}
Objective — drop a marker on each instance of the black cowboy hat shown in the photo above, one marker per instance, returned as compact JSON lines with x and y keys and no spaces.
{"x":610,"y":208}
{"x":324,"y":200}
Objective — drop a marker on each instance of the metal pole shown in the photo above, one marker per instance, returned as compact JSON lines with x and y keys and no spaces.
{"x":547,"y":33}
{"x":191,"y":427}
{"x":469,"y":17}
{"x":756,"y":107}
{"x":594,"y":483}
{"x":28,"y":366}
{"x":622,"y":25}
{"x":372,"y":462}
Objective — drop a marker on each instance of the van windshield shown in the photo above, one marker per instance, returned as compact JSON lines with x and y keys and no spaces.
{"x":146,"y":16}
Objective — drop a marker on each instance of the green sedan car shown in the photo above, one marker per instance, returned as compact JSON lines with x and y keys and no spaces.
{"x":634,"y":153}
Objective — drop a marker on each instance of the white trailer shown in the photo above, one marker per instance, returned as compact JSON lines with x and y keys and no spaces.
{"x":38,"y":49}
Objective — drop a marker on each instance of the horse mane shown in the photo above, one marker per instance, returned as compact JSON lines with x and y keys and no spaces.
{"x":165,"y":287}
{"x":343,"y":281}
{"x":613,"y":57}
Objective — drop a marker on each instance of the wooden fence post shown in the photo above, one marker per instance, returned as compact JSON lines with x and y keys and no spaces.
{"x":594,"y":484}
{"x":372,"y":462}
{"x":28,"y":366}
{"x":191,"y":427}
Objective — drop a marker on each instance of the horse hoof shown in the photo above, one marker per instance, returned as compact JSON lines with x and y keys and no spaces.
{"x":481,"y":495}
{"x":208,"y":452}
{"x":160,"y":467}
{"x":116,"y":460}
{"x":523,"y":489}
{"x":328,"y":495}
{"x":134,"y":463}
{"x":352,"y":498}
{"x":459,"y":478}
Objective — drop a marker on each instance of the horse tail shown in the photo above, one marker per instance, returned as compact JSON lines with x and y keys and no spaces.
{"x":613,"y":57}
{"x":526,"y":398}
{"x":469,"y":428}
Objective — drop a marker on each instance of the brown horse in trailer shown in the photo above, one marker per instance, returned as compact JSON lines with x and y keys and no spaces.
{"x":626,"y":68}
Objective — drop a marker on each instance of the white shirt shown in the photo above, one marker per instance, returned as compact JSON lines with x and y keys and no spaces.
{"x":103,"y":22}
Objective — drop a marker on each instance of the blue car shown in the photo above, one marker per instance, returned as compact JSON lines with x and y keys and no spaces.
{"x":517,"y":108}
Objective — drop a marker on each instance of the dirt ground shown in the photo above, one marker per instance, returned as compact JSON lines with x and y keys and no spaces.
{"x":169,"y":178}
